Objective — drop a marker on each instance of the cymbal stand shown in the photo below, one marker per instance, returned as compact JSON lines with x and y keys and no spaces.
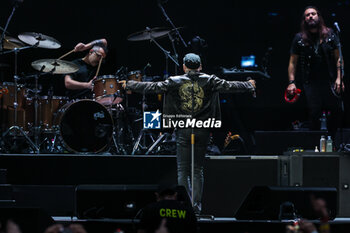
{"x":342,"y":74}
{"x":175,"y":52}
{"x":7,"y":24}
{"x":143,"y":132}
{"x":36,"y":105}
{"x":3,"y":30}
{"x":15,"y":104}
{"x":166,"y":53}
{"x":119,"y":149}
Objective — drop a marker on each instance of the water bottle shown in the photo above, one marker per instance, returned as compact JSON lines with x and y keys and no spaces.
{"x":329,"y":144}
{"x":323,"y":120}
{"x":323,"y":144}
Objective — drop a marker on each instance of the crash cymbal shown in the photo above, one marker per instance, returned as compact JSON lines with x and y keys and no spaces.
{"x":43,"y":41}
{"x":55,"y":66}
{"x":11,"y":43}
{"x":148,"y":34}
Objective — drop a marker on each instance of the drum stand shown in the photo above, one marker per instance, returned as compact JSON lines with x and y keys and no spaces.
{"x":36,"y":105}
{"x":161,"y":139}
{"x":143,"y":132}
{"x":137,"y":145}
{"x":119,"y":149}
{"x":15,"y":127}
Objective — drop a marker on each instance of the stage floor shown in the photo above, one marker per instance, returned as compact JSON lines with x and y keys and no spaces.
{"x":208,"y":224}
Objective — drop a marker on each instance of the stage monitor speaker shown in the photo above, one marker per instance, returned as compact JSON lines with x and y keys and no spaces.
{"x":266,"y":202}
{"x":30,"y":220}
{"x":117,"y":201}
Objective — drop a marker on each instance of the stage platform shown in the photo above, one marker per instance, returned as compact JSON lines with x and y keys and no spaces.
{"x":206,"y":225}
{"x":49,"y":181}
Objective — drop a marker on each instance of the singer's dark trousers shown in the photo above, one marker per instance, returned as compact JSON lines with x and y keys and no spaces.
{"x":320,"y":98}
{"x":183,"y":143}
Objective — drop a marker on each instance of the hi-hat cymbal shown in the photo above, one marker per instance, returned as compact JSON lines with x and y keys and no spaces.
{"x":148,"y":34}
{"x":43,"y":41}
{"x":55,"y":66}
{"x":12,"y":43}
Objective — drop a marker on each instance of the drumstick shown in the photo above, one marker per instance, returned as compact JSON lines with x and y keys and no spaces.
{"x":66,"y":54}
{"x":99,"y":65}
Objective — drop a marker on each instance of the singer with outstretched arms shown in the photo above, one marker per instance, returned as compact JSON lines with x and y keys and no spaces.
{"x":315,"y":65}
{"x":194,"y":96}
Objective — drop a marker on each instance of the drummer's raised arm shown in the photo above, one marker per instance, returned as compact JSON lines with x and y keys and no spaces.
{"x":82,"y":47}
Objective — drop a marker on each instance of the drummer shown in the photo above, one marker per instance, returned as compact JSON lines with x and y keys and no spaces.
{"x":80,"y":83}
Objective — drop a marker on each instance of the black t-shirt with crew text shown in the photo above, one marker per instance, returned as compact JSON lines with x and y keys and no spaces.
{"x":180,"y":217}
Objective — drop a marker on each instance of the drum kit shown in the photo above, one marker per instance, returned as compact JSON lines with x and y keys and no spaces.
{"x":55,"y":124}
{"x":24,"y":113}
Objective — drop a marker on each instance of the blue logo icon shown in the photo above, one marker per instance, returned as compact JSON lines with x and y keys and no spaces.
{"x":151,"y":120}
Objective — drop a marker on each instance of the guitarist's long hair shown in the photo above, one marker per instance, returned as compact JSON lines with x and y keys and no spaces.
{"x":323,"y":30}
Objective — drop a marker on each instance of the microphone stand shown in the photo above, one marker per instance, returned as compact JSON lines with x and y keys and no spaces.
{"x":169,"y":20}
{"x":192,"y":145}
{"x":341,"y":61}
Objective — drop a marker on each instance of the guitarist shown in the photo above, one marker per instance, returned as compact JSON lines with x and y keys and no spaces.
{"x":315,"y":53}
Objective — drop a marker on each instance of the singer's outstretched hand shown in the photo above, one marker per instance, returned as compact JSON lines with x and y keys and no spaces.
{"x":123,"y":82}
{"x":252,"y":81}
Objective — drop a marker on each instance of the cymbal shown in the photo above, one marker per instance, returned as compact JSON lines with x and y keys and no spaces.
{"x":148,"y":34}
{"x":55,"y":66}
{"x":46,"y":42}
{"x":12,"y":43}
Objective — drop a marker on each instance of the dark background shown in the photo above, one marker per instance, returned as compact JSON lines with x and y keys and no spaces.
{"x":231,"y":29}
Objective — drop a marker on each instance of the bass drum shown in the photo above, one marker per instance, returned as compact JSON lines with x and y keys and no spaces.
{"x":85,"y":126}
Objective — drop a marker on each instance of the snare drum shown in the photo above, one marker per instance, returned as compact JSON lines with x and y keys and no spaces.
{"x":85,"y":126}
{"x":48,"y":108}
{"x":105,"y":88}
